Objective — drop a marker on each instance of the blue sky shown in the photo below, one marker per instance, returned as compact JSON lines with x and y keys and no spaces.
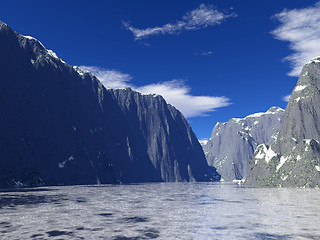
{"x":213,"y":60}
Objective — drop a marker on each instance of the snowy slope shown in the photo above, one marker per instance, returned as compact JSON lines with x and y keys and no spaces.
{"x":232,"y":144}
{"x":295,"y":159}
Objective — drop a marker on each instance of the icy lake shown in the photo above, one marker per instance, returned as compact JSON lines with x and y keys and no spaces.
{"x":160,"y":211}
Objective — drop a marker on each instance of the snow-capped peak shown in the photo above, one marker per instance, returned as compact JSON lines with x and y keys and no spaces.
{"x":50,"y":52}
{"x":272,"y":110}
{"x":29,"y":37}
{"x":315,"y":60}
{"x":203,"y":142}
{"x":80,"y":70}
{"x":34,"y":39}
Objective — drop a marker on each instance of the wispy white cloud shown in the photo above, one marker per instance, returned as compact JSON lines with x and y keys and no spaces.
{"x":301,"y":28}
{"x":174,"y":92}
{"x":109,"y":78}
{"x":207,"y":53}
{"x":178,"y":94}
{"x":286,"y":98}
{"x":202,"y":17}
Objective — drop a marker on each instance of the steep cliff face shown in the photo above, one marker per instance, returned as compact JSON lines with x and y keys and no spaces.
{"x":232,"y":144}
{"x":59,"y":125}
{"x":161,"y":132}
{"x":293,"y":160}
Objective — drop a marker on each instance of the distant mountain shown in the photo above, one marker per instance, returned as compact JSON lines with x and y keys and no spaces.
{"x":232,"y":144}
{"x":293,"y":160}
{"x":60,"y":126}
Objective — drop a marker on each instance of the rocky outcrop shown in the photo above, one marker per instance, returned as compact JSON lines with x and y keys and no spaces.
{"x":160,"y":131}
{"x":232,"y":144}
{"x":60,"y":126}
{"x":293,"y":160}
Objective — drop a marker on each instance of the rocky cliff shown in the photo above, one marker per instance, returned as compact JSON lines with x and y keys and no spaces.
{"x":59,"y":126}
{"x":293,"y":160}
{"x":232,"y":144}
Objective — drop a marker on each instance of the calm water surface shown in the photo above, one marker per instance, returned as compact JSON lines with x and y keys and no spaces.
{"x":160,"y":211}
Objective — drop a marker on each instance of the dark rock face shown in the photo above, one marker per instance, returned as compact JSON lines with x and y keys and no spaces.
{"x":158,"y":133}
{"x":293,"y":160}
{"x":232,"y":144}
{"x":59,"y":125}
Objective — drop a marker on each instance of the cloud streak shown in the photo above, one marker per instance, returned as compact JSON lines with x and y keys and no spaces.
{"x":201,"y":17}
{"x":286,"y":98}
{"x":208,"y":53}
{"x":109,"y":78}
{"x":175,"y":92}
{"x":178,"y":94}
{"x":301,"y":28}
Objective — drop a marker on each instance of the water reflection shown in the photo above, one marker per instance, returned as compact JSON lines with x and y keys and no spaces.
{"x":12,"y":200}
{"x":160,"y":211}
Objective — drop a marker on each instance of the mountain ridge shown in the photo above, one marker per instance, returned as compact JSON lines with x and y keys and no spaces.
{"x":293,"y":160}
{"x":60,"y":126}
{"x":231,"y":144}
